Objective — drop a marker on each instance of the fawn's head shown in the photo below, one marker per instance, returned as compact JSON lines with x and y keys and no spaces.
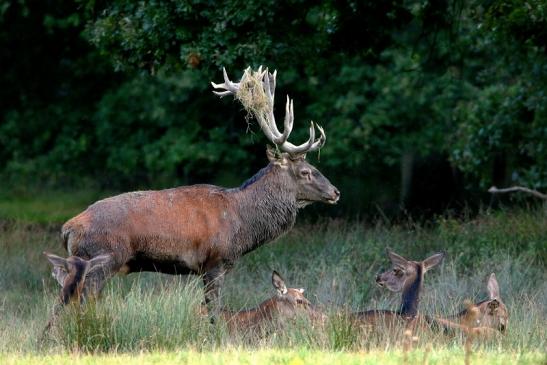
{"x":289,"y":300}
{"x":493,"y":312}
{"x":404,"y":273}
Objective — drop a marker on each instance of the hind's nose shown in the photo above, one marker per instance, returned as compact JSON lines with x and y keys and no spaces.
{"x":379,"y":280}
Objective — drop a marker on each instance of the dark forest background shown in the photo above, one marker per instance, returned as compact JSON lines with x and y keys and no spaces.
{"x":425,"y":103}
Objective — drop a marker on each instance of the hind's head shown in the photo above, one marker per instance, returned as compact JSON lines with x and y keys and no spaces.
{"x":404,"y":273}
{"x":71,"y":272}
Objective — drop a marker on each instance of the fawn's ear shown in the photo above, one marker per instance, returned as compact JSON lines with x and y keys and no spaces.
{"x":279,"y":283}
{"x":493,"y":287}
{"x":433,"y":260}
{"x":396,"y":260}
{"x":301,"y":290}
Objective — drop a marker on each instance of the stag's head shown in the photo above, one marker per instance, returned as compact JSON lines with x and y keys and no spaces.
{"x":404,"y":273}
{"x":256,"y":91}
{"x":493,"y":312}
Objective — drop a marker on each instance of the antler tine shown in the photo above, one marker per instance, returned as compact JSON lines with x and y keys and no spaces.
{"x":272,"y":82}
{"x":321,"y":141}
{"x":268,"y":83}
{"x":265,"y":116}
{"x":230,"y":87}
{"x":289,"y":120}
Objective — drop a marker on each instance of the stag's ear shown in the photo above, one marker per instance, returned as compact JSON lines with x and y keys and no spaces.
{"x":279,"y":283}
{"x":275,"y":157}
{"x":298,"y":156}
{"x":493,"y":287}
{"x":271,"y":153}
{"x":98,"y":262}
{"x":433,"y":261}
{"x":396,"y":260}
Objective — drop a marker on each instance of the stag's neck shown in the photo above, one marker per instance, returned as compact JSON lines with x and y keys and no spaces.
{"x":267,"y":207}
{"x":411,"y":296}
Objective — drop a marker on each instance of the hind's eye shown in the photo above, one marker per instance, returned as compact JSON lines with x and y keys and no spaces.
{"x":398,"y":272}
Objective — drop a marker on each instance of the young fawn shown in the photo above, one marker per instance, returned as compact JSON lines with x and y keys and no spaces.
{"x":490,"y":313}
{"x":284,"y":306}
{"x":405,"y":276}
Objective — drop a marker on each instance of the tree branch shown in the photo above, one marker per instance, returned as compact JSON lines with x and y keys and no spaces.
{"x":537,"y":194}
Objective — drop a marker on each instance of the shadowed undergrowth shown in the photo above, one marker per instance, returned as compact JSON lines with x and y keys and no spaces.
{"x":335,"y":261}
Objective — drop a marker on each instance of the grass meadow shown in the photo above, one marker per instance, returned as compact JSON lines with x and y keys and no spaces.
{"x":152,"y":318}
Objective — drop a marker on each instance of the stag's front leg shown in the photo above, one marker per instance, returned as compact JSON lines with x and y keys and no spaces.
{"x":214,"y":280}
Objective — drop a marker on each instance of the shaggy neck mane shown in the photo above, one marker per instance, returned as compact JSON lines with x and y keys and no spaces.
{"x":267,"y":208}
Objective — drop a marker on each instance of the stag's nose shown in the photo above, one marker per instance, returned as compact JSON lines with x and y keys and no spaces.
{"x":335,"y":195}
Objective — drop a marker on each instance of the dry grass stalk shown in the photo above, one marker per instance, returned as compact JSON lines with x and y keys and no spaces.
{"x":251,"y":94}
{"x":469,"y":322}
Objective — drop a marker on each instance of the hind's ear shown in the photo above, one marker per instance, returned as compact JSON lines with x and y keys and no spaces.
{"x":98,"y":262}
{"x":60,"y":269}
{"x":493,"y":287}
{"x":396,"y":260}
{"x":57,"y":261}
{"x":279,"y":283}
{"x":433,"y":260}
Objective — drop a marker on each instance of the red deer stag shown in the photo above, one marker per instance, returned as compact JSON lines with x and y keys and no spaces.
{"x":199,"y":229}
{"x":284,"y":306}
{"x":407,"y":277}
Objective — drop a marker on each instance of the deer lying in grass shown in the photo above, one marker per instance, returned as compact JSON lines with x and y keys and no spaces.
{"x":200,"y":229}
{"x":407,"y":277}
{"x":284,"y":306}
{"x":490,"y":313}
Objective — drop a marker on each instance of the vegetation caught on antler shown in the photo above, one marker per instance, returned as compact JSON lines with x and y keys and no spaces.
{"x":251,"y":93}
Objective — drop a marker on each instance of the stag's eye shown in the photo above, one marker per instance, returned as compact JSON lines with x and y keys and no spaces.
{"x":305,"y":173}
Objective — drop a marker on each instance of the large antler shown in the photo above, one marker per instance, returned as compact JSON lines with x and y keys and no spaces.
{"x":256,"y":92}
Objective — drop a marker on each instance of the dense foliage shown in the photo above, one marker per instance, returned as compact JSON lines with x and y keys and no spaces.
{"x":117,"y":92}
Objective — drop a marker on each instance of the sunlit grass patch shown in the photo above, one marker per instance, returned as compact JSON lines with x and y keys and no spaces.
{"x":280,"y":356}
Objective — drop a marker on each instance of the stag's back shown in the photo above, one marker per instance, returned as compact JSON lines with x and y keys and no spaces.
{"x":155,"y":223}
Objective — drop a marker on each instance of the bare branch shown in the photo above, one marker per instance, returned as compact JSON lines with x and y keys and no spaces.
{"x":537,"y":194}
